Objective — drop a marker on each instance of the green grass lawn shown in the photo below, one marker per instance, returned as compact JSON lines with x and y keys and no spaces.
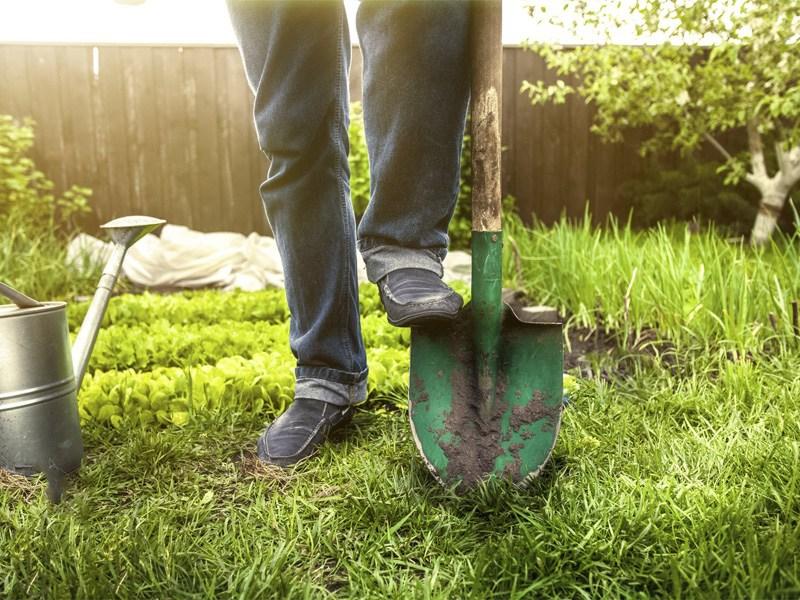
{"x":675,"y":476}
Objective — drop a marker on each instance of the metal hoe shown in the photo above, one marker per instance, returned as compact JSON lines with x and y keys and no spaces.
{"x":485,"y":391}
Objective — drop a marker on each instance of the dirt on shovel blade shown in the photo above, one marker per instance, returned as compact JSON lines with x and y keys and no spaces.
{"x":477,"y":442}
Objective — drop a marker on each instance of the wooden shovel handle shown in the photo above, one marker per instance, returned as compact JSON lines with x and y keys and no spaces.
{"x":486,"y":55}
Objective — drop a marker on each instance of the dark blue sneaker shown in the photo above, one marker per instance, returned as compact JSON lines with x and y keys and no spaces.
{"x":301,"y":430}
{"x":414,"y":297}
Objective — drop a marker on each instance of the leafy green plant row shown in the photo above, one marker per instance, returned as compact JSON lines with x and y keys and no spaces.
{"x":212,"y":306}
{"x":172,"y":395}
{"x":161,"y":343}
{"x":192,"y":307}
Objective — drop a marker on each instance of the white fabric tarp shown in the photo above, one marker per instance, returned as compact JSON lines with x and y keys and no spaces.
{"x":183,"y":258}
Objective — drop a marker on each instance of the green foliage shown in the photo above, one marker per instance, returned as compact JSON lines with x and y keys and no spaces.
{"x":707,"y":296}
{"x":190,"y":308}
{"x":461,"y":224}
{"x":162,"y":358}
{"x":165,"y":343}
{"x":26,"y":195}
{"x":169,"y":344}
{"x":673,"y":83}
{"x":173,"y":395}
{"x":664,"y":485}
{"x":692,"y":191}
{"x":167,"y":395}
{"x":35,"y":222}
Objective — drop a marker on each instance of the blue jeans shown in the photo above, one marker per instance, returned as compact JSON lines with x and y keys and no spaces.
{"x":416,"y":89}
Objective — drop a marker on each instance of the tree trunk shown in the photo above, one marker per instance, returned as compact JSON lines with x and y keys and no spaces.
{"x":769,"y":210}
{"x":774,"y":189}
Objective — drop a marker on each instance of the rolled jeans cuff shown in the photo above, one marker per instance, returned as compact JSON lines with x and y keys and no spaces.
{"x":329,"y":385}
{"x":383,"y":259}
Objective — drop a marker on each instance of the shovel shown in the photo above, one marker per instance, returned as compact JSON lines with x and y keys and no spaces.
{"x":485,"y":390}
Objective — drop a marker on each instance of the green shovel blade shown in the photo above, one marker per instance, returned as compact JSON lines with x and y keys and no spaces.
{"x":463,"y":444}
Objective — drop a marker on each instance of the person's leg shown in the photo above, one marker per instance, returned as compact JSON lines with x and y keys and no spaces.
{"x":416,"y":91}
{"x":296,"y":57}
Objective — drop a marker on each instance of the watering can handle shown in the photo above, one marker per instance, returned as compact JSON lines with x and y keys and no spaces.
{"x":18,"y":297}
{"x":486,"y":57}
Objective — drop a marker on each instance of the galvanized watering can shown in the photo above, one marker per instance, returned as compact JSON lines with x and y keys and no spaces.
{"x":40,"y":374}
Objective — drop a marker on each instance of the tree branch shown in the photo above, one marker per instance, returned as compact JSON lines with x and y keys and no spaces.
{"x":789,"y":163}
{"x":792,"y":159}
{"x":756,"y":149}
{"x":781,"y":157}
{"x":794,"y":156}
{"x":714,"y":142}
{"x":752,"y":179}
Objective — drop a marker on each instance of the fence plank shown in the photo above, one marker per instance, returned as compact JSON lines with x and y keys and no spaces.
{"x":201,"y":79}
{"x":45,"y":105}
{"x":138,"y":128}
{"x":176,"y":163}
{"x":111,"y":135}
{"x":241,"y":208}
{"x":527,"y":175}
{"x":508,"y":122}
{"x":227,"y":168}
{"x":576,"y":187}
{"x":553,"y":159}
{"x":74,"y":81}
{"x":14,"y":78}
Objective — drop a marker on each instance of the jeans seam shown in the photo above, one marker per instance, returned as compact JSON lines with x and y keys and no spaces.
{"x":338,"y":122}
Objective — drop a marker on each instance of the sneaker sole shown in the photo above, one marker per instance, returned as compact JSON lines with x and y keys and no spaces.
{"x":426,"y":318}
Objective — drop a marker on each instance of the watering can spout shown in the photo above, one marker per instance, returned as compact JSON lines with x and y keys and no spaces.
{"x":124,"y":232}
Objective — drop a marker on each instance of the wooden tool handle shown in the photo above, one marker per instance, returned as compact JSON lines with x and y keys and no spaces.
{"x":486,"y":55}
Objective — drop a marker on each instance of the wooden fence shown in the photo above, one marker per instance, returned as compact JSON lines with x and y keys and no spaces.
{"x":167,"y":131}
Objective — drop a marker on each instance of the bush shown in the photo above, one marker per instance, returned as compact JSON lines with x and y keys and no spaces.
{"x":693,"y":192}
{"x":26,"y":195}
{"x":461,"y":224}
{"x":35,"y":222}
